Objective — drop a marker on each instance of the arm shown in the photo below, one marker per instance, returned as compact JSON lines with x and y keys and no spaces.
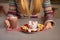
{"x":12,"y":7}
{"x":48,"y":13}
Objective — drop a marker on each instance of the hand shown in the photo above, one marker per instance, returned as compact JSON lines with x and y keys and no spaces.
{"x":47,"y":25}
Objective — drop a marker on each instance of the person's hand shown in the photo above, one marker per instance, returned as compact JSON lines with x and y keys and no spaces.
{"x":48,"y":25}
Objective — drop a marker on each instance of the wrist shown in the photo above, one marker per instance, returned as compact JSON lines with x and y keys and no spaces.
{"x":50,"y":21}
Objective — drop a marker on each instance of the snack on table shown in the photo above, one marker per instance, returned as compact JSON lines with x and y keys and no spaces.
{"x":40,"y":27}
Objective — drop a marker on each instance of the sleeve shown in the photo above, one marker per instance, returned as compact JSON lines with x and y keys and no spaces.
{"x":12,"y":7}
{"x":48,"y":12}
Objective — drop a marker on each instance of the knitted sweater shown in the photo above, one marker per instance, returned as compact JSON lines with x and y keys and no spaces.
{"x":48,"y":12}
